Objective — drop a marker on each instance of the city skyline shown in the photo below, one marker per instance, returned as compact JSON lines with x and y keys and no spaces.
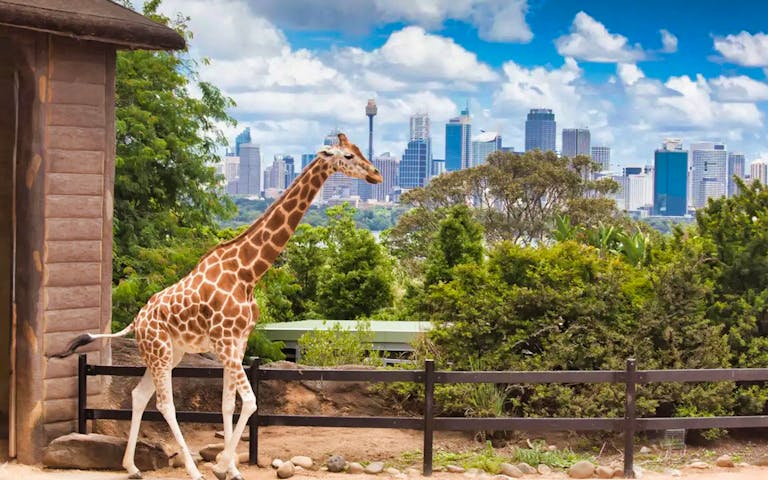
{"x":633,"y":79}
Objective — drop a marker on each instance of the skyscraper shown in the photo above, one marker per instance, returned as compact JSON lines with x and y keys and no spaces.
{"x":736,"y":163}
{"x":484,"y":144}
{"x":243,"y":137}
{"x":759,"y":171}
{"x":670,"y":180}
{"x":306,"y":159}
{"x":420,"y":126}
{"x":540,"y":128}
{"x":576,"y":141}
{"x":364,"y":188}
{"x":709,"y":172}
{"x":387,"y":165}
{"x":602,"y":155}
{"x":415,"y":162}
{"x":290,"y":170}
{"x":458,"y":142}
{"x":249,"y":182}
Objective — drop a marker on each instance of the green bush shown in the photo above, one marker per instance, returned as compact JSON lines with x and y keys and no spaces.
{"x":338,"y":346}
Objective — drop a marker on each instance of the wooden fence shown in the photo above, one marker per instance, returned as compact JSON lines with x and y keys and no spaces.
{"x":428,"y":423}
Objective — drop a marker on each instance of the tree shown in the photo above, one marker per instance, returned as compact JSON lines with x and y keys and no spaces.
{"x":167,"y":139}
{"x":459,"y":240}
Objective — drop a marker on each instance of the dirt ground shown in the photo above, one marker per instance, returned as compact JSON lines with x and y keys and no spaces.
{"x":398,"y":448}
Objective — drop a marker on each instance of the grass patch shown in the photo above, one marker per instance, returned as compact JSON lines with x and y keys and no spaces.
{"x":538,"y":454}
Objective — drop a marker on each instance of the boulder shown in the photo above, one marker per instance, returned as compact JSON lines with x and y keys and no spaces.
{"x":525,"y":468}
{"x":544,"y":469}
{"x":374,"y":467}
{"x":102,"y":452}
{"x":725,"y":461}
{"x":392,"y":471}
{"x":302,"y":461}
{"x":582,"y":469}
{"x":336,"y":463}
{"x":510,"y":470}
{"x":276,"y":463}
{"x":286,"y":470}
{"x":455,"y":469}
{"x":210,"y":451}
{"x":604,"y":472}
{"x":699,"y":465}
{"x":355,"y":467}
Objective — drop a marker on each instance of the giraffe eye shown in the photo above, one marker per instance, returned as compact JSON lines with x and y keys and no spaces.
{"x":327,"y":153}
{"x":348,"y":156}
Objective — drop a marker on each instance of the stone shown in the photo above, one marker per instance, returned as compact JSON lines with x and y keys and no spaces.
{"x":510,"y":470}
{"x":638,"y":471}
{"x":525,"y":468}
{"x":551,"y":448}
{"x":582,"y":469}
{"x":335,"y":463}
{"x":354,"y":467}
{"x":210,"y":451}
{"x":102,"y":452}
{"x":473,"y":473}
{"x":393,"y":471}
{"x":243,"y":457}
{"x":276,"y":463}
{"x":673,"y":472}
{"x":604,"y":472}
{"x":544,"y":469}
{"x":645,"y":450}
{"x":286,"y":470}
{"x":699,"y":465}
{"x":244,"y":438}
{"x":455,"y":469}
{"x":761,"y":461}
{"x":302,"y":461}
{"x":725,"y":461}
{"x":374,"y":467}
{"x":177,"y":460}
{"x":413,"y":472}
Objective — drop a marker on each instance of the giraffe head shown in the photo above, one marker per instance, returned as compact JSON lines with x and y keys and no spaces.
{"x":346,"y":158}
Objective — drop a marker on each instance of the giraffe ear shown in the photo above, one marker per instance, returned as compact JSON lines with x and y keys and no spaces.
{"x":343,"y":140}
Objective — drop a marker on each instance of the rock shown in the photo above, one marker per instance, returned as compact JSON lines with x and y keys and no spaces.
{"x":724,"y":461}
{"x":243,"y":457}
{"x":302,"y":461}
{"x":582,"y":469}
{"x":210,"y":451}
{"x":455,"y":469}
{"x":526,"y":469}
{"x":393,"y":471}
{"x":699,"y":465}
{"x":544,"y":469}
{"x":638,"y":471}
{"x":102,"y":452}
{"x":551,"y":448}
{"x":177,"y":460}
{"x":276,"y":463}
{"x":473,"y":473}
{"x":673,"y":472}
{"x":335,"y":463}
{"x":604,"y":472}
{"x":645,"y":450}
{"x":244,"y":438}
{"x":286,"y":470}
{"x":413,"y":472}
{"x":510,"y":470}
{"x":374,"y":467}
{"x":761,"y":461}
{"x":354,"y":467}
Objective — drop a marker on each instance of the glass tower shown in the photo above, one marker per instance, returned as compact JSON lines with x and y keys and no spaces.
{"x":670,"y":181}
{"x":415,"y":162}
{"x":540,"y":128}
{"x":243,"y":137}
{"x":458,"y":142}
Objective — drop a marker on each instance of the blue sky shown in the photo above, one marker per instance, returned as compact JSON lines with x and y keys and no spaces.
{"x":633,"y":72}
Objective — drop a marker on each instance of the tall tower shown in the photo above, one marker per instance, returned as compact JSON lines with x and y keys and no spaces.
{"x":576,"y":141}
{"x":458,"y":142}
{"x":364,"y":190}
{"x":670,"y":182}
{"x":540,"y":127}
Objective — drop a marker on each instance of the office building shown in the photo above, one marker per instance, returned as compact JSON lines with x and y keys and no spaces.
{"x":576,"y":141}
{"x":602,"y":156}
{"x":709,"y":172}
{"x":274,"y":175}
{"x":388,"y":166}
{"x":290,"y":170}
{"x":249,"y":181}
{"x":420,"y":126}
{"x":243,"y":137}
{"x":306,"y":159}
{"x":483,"y":145}
{"x":458,"y":142}
{"x":759,"y":171}
{"x":438,"y":167}
{"x":540,"y":130}
{"x":736,"y":164}
{"x":639,"y":195}
{"x":670,"y":179}
{"x":415,"y":163}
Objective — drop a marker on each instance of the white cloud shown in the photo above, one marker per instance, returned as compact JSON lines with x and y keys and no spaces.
{"x":629,"y":73}
{"x":668,"y":41}
{"x":744,"y":49}
{"x":589,"y":40}
{"x":739,"y":89}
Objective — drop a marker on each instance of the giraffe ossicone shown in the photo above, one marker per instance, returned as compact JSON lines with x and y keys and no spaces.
{"x":212,"y":309}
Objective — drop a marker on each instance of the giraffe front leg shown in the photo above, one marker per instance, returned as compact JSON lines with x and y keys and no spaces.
{"x":235,"y":368}
{"x":140,"y":396}
{"x":227,"y":410}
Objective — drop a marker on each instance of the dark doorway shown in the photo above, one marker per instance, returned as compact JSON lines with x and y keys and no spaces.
{"x":8,"y":139}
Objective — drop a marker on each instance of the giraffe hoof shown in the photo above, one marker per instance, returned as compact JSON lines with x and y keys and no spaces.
{"x":135,"y":476}
{"x":237,"y":477}
{"x":220,"y":475}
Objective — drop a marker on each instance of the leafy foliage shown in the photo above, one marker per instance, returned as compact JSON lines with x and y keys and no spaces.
{"x":337,"y":345}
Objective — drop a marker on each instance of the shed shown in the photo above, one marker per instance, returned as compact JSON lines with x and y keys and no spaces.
{"x":394,"y":337}
{"x":57,"y":159}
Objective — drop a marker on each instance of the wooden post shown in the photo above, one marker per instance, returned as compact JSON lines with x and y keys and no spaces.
{"x":629,"y":418}
{"x":82,"y":392}
{"x":429,"y":398}
{"x":253,"y":423}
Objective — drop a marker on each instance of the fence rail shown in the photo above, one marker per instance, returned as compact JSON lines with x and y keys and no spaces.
{"x":428,"y":423}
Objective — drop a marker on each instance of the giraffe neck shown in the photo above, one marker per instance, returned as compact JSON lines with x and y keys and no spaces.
{"x":259,"y":245}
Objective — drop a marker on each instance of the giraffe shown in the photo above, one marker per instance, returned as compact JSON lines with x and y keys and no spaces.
{"x":212,"y":309}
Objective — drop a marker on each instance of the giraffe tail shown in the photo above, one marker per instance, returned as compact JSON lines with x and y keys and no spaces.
{"x":87,"y":338}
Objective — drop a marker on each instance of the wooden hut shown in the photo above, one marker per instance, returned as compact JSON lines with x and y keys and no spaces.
{"x":57,"y":159}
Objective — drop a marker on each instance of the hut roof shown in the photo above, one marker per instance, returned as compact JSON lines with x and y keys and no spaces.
{"x":98,"y":20}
